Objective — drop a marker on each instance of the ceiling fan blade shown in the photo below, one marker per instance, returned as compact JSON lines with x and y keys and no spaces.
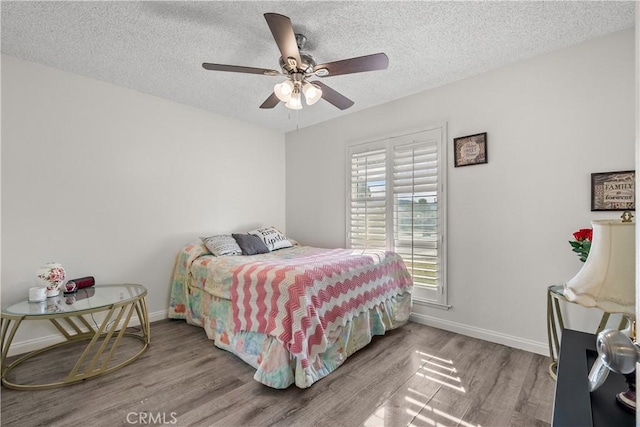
{"x":333,"y":97}
{"x":377,"y":61}
{"x":240,"y":69}
{"x":271,"y":101}
{"x":284,"y":36}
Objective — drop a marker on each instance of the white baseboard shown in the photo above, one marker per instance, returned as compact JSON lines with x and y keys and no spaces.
{"x":38,"y":343}
{"x":483,"y":334}
{"x":459,"y":328}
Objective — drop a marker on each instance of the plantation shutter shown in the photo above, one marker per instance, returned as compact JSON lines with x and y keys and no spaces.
{"x":396,"y":201}
{"x":416,"y":213}
{"x":368,"y":218}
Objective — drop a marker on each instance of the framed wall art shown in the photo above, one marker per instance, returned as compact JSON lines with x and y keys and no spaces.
{"x":613,"y":191}
{"x":470,"y":150}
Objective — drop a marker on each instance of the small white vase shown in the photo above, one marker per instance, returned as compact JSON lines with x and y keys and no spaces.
{"x":52,"y":276}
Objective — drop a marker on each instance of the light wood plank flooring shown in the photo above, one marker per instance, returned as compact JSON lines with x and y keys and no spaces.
{"x":415,"y":375}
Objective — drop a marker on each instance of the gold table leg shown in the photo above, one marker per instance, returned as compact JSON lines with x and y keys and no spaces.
{"x":554,"y":318}
{"x":7,"y":338}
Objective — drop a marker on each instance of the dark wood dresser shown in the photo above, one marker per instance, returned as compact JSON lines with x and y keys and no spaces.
{"x":573,"y":404}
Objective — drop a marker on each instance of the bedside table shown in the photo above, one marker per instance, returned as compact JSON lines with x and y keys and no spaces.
{"x":116,"y":303}
{"x":555,"y":324}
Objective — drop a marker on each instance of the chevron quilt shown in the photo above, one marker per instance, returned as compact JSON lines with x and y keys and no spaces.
{"x":302,"y":301}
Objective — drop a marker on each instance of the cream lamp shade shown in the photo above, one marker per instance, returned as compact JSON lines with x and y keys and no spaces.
{"x":607,"y":278}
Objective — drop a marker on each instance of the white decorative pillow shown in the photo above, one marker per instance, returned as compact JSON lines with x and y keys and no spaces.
{"x":222,"y":244}
{"x":272,"y":237}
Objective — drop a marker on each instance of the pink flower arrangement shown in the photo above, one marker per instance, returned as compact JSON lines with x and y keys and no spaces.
{"x":55,"y":276}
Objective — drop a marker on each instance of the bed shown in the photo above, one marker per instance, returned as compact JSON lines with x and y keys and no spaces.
{"x":294,"y":314}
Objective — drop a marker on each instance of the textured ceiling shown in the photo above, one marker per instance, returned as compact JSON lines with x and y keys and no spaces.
{"x":158,"y":47}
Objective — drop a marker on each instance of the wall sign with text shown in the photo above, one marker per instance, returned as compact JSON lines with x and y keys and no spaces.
{"x":613,"y":191}
{"x":470,"y":150}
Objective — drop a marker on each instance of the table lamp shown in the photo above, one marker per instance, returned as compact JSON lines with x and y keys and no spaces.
{"x":607,"y":281}
{"x":607,"y":278}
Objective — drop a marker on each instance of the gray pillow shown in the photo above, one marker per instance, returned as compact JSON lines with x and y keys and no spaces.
{"x":250,"y":244}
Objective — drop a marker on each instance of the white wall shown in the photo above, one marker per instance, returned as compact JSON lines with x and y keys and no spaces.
{"x":112,"y":183}
{"x":551,"y":122}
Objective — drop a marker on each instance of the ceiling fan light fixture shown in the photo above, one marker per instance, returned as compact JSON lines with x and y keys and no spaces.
{"x":283,"y":90}
{"x":312,"y":93}
{"x":294,"y":103}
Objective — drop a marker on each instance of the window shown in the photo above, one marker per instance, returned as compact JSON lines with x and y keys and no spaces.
{"x":396,"y":201}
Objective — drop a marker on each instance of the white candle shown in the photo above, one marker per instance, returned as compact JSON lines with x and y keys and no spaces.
{"x":37,"y":294}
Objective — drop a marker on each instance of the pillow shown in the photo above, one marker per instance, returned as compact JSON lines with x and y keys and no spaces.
{"x":250,"y":244}
{"x":222,"y":244}
{"x":272,"y":238}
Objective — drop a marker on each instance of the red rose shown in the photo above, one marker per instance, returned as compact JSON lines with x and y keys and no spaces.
{"x":583,"y":234}
{"x":582,"y":243}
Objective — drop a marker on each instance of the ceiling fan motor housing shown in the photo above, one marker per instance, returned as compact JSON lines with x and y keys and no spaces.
{"x":308,"y":62}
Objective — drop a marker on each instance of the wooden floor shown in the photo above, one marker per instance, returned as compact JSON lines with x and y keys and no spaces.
{"x":415,"y":375}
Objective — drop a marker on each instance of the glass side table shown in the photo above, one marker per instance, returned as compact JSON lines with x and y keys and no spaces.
{"x":555,"y":324}
{"x":117,"y":303}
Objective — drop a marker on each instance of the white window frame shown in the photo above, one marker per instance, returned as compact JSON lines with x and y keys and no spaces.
{"x":421,"y":295}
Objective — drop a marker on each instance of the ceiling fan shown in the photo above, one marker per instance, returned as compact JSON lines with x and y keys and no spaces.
{"x":298,"y":67}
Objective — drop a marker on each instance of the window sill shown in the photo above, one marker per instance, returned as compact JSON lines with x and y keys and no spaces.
{"x":433,"y":304}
